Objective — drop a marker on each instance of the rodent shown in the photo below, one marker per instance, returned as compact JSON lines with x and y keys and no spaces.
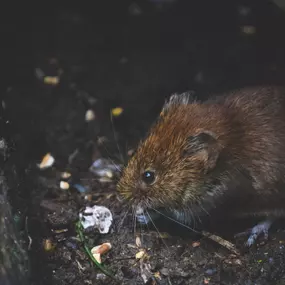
{"x":200,"y":156}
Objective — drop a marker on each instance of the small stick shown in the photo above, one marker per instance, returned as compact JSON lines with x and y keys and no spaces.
{"x":227,"y":244}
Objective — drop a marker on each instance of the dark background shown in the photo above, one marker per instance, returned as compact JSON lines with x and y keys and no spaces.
{"x":131,"y":54}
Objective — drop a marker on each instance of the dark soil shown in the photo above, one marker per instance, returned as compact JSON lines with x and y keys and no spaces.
{"x":131,"y":55}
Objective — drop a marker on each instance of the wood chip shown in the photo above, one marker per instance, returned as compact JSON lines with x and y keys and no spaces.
{"x":47,"y":161}
{"x":227,"y":244}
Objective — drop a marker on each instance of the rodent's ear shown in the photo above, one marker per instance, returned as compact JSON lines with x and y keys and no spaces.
{"x":178,"y":99}
{"x":203,"y":146}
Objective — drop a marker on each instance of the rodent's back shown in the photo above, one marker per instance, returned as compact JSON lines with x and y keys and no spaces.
{"x":261,"y":112}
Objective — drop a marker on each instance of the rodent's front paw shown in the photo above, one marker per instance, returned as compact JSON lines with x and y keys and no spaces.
{"x":256,"y":231}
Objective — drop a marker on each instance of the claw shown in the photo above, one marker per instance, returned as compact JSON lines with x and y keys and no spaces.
{"x":256,"y":231}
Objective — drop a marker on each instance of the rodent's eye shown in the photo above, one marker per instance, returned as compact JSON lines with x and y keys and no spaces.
{"x":148,"y":177}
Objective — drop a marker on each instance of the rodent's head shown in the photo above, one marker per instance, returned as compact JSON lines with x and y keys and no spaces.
{"x":169,"y":167}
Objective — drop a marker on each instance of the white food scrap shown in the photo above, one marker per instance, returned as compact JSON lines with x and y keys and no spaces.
{"x":64,"y":185}
{"x":89,"y":115}
{"x":99,"y":217}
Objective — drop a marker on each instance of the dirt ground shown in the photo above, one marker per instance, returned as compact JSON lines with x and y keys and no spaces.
{"x":130,"y":55}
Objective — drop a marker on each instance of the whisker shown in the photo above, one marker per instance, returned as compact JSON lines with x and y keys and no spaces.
{"x":194,"y":217}
{"x":116,"y":139}
{"x":159,"y":234}
{"x":111,"y":160}
{"x":135,"y":222}
{"x":175,"y":221}
{"x":208,"y":214}
{"x":123,"y":219}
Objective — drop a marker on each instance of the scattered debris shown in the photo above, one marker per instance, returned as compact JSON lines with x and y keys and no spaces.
{"x":51,"y":80}
{"x":64,"y":185}
{"x":60,"y":231}
{"x":196,"y":244}
{"x":207,"y":280}
{"x":47,"y":161}
{"x":89,"y":116}
{"x":233,"y":260}
{"x":230,"y":246}
{"x":48,"y":245}
{"x":248,"y":30}
{"x":97,"y":251}
{"x":138,"y":242}
{"x":104,"y":168}
{"x":88,"y":251}
{"x":116,"y":112}
{"x":140,"y":254}
{"x":97,"y":216}
{"x":81,"y":189}
{"x":65,"y":175}
{"x":145,"y":268}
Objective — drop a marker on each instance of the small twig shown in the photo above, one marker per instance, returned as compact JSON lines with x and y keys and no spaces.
{"x":227,"y":244}
{"x":27,"y":231}
{"x":80,"y":267}
{"x":169,"y":281}
{"x":72,"y":156}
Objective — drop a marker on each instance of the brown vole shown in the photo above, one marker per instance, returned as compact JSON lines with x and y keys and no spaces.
{"x":229,"y":150}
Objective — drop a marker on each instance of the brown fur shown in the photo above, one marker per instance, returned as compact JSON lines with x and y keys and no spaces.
{"x":244,"y":161}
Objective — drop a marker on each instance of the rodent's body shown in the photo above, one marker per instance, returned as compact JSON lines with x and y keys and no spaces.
{"x":229,"y":149}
